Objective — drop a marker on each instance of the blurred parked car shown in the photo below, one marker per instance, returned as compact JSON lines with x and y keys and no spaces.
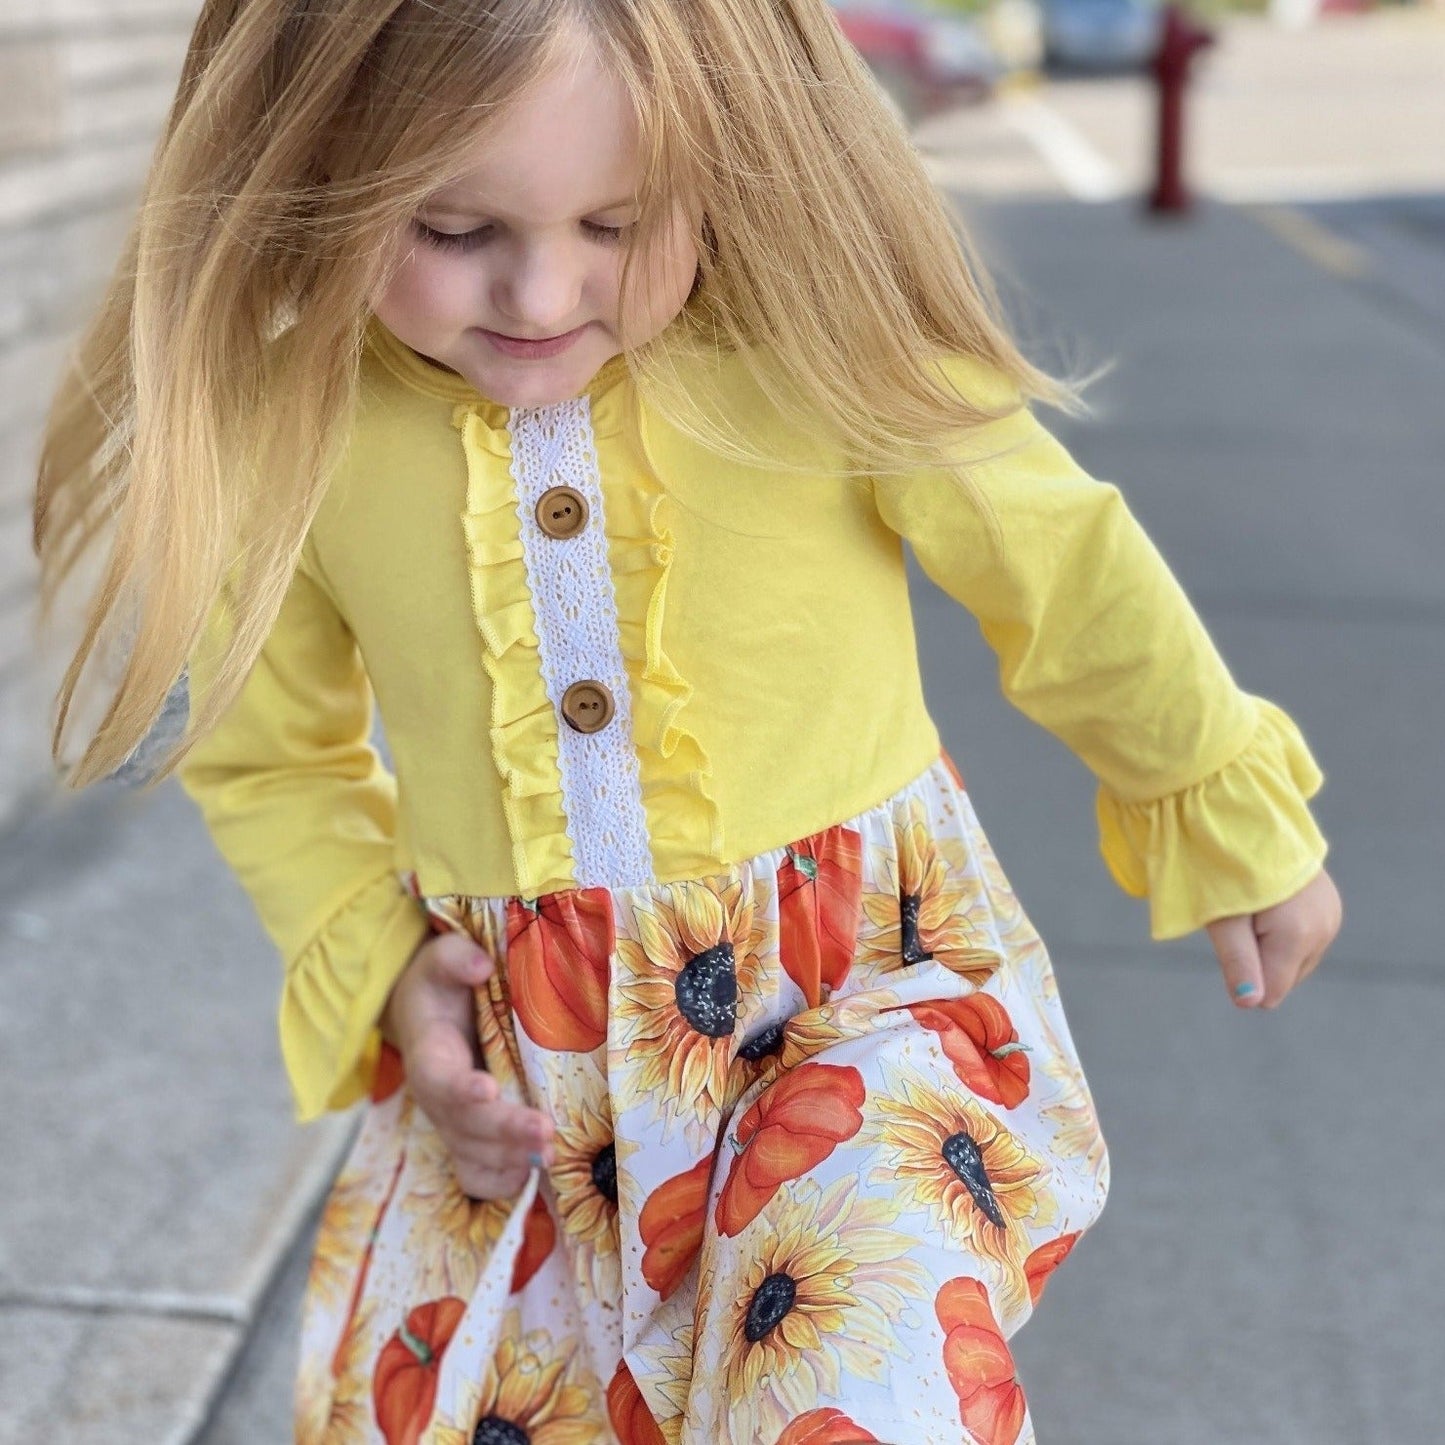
{"x":1100,"y":34}
{"x":922,"y":56}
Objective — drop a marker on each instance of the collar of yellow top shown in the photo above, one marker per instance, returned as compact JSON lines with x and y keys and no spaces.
{"x":425,"y":375}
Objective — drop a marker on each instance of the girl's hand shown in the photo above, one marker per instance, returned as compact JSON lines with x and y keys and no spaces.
{"x":1263,"y":956}
{"x":431,"y":1018}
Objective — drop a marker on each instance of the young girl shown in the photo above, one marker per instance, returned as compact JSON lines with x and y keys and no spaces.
{"x":567,"y":380}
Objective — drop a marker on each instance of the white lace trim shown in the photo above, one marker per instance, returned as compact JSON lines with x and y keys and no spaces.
{"x":577,"y":636}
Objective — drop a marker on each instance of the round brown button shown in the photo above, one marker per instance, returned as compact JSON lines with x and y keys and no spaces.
{"x":562,"y":512}
{"x":587,"y":706}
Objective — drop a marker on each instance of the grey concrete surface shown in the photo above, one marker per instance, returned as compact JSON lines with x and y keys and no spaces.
{"x":1268,"y":1268}
{"x":154,"y":1178}
{"x":256,"y":1408}
{"x":1264,"y":1271}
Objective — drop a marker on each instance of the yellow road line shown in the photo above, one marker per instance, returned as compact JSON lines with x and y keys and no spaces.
{"x":1312,"y":240}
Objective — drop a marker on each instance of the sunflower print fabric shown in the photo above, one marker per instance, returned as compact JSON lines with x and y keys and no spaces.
{"x":822,"y":1138}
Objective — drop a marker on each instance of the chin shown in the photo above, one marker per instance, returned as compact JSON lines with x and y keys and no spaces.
{"x":531,"y":383}
{"x":528,"y":391}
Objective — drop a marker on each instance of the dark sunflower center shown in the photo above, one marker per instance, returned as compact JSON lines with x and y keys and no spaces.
{"x":913,"y":950}
{"x":964,"y":1157}
{"x":604,"y":1173}
{"x":707,"y":991}
{"x":763,"y":1044}
{"x":770,"y":1302}
{"x":496,"y":1431}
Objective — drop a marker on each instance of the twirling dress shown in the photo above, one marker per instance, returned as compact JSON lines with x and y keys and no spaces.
{"x":660,"y":746}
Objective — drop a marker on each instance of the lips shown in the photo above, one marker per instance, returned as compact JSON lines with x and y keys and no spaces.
{"x":532,"y":349}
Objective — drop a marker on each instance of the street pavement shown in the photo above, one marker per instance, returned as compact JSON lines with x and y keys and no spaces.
{"x":1268,"y":1268}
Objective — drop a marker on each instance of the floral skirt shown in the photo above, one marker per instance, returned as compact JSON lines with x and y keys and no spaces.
{"x":822,"y":1136}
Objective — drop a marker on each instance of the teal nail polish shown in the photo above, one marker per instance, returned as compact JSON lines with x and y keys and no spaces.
{"x":1243,"y":990}
{"x":535,"y":1160}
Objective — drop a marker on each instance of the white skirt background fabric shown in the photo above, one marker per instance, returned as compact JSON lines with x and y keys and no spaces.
{"x":822,"y":1136}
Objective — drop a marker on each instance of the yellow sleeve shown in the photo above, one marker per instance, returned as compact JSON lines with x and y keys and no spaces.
{"x":1202,"y":792}
{"x":303,"y":810}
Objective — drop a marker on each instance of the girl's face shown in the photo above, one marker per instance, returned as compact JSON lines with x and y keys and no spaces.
{"x":527,"y":244}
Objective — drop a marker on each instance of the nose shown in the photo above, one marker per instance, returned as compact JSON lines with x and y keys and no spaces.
{"x":539,"y":290}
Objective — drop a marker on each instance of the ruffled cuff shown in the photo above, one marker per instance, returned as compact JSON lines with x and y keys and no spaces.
{"x":1239,"y":841}
{"x":335,"y":992}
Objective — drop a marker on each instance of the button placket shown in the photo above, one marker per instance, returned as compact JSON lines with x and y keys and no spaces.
{"x":564,"y":546}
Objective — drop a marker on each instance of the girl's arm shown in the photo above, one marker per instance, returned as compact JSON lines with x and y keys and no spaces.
{"x":302,"y":809}
{"x":1202,"y":792}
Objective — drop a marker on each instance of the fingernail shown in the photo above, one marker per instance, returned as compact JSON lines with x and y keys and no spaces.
{"x":535,"y":1160}
{"x":1243,"y":990}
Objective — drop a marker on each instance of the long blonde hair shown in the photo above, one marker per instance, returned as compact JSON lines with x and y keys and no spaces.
{"x":200,"y":416}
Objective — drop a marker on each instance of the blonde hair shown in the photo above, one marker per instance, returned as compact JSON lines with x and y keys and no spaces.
{"x":204,"y":408}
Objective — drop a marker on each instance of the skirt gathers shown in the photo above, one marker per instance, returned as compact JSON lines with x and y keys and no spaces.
{"x":822,"y":1136}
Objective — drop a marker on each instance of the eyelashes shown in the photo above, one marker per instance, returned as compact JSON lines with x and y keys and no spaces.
{"x":472,"y":240}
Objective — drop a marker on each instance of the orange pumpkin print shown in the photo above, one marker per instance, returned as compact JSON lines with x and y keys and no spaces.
{"x":818,"y":1137}
{"x":404,"y":1385}
{"x":820,"y":903}
{"x":790,"y":1128}
{"x":389,"y":1076}
{"x":559,"y":950}
{"x":824,"y":1427}
{"x":539,"y":1234}
{"x":632,"y":1421}
{"x":671,"y":1226}
{"x":982,"y":1045}
{"x":953,"y":771}
{"x":1044,"y":1261}
{"x":979,"y":1365}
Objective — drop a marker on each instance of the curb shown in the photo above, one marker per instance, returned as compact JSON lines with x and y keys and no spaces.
{"x":263,"y":1268}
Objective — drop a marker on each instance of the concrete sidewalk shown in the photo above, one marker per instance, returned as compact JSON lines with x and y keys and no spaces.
{"x":1268,"y":1268}
{"x":154,"y":1180}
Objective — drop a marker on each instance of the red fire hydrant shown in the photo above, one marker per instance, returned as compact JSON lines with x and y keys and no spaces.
{"x":1180,"y":38}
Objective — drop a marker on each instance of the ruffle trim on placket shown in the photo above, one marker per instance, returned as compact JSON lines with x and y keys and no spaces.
{"x":677,"y":792}
{"x":523,"y":723}
{"x":684,"y":822}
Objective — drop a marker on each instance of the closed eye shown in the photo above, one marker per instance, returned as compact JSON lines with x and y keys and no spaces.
{"x":471,"y":240}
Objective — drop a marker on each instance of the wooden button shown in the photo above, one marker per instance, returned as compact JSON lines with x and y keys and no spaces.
{"x":587,"y":706}
{"x":562,"y":512}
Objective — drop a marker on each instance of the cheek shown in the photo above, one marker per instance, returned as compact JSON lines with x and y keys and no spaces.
{"x":667,"y":282}
{"x":422,"y":288}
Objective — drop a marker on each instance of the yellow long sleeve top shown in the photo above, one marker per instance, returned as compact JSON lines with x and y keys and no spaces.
{"x":771,"y":679}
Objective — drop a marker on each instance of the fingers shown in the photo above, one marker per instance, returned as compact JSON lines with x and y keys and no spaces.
{"x":1295,"y":934}
{"x":464,"y":1104}
{"x":482,"y":1184}
{"x":493,"y":1142}
{"x":440,"y":1066}
{"x":1239,"y":959}
{"x":1287,"y":954}
{"x":496,"y":1147}
{"x":1310,"y":964}
{"x":1266,"y":955}
{"x":454,"y":959}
